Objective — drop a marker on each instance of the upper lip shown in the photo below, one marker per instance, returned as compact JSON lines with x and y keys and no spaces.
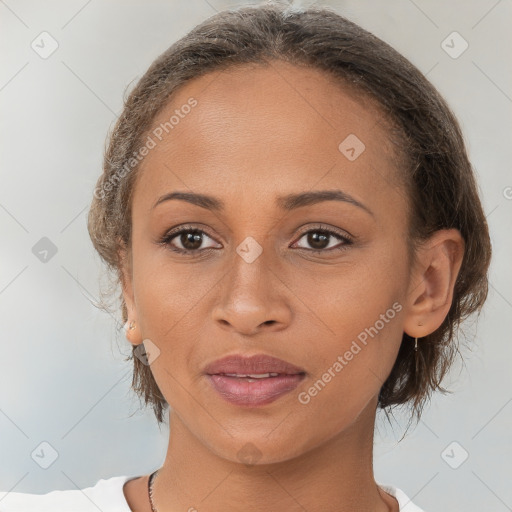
{"x":256,"y":364}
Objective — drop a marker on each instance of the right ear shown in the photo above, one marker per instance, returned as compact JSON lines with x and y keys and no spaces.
{"x":125,"y":267}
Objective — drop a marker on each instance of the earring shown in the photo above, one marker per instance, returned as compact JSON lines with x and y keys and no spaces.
{"x":129,"y":326}
{"x":416,"y":357}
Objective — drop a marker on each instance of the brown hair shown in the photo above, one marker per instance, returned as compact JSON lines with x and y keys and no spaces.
{"x":438,"y":176}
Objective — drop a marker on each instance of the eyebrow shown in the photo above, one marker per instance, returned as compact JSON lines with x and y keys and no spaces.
{"x":287,"y":202}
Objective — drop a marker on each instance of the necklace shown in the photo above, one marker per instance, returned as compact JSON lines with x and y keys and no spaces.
{"x":150,"y":490}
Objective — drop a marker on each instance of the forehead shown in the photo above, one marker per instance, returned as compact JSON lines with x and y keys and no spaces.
{"x":276,"y":127}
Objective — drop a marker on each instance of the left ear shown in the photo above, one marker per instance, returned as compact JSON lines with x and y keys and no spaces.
{"x":430,"y":292}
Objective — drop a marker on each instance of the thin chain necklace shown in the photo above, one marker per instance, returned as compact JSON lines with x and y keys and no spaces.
{"x":150,"y":490}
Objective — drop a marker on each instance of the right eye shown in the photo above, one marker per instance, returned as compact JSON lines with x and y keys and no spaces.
{"x":186,"y":240}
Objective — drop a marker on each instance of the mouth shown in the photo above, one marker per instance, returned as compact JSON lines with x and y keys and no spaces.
{"x":254,"y":366}
{"x":252,"y":391}
{"x":256,"y":376}
{"x":253,"y":381}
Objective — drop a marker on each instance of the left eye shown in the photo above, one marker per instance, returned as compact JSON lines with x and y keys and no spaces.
{"x":320,"y":240}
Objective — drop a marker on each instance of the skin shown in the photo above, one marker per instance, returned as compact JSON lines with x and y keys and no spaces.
{"x":258,"y":133}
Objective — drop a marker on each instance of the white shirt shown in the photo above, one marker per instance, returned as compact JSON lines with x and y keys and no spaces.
{"x":107,"y":496}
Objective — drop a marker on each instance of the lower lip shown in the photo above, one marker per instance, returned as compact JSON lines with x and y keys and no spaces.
{"x":240,"y":391}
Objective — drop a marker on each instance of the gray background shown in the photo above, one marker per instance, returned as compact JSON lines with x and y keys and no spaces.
{"x":62,"y":374}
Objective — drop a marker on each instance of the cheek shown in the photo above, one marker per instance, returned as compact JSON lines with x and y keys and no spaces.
{"x":358,"y":321}
{"x":346,"y":299}
{"x":167,"y":293}
{"x":349,"y":367}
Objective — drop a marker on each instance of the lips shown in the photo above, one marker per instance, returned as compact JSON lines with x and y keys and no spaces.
{"x":253,"y":366}
{"x":253,"y":381}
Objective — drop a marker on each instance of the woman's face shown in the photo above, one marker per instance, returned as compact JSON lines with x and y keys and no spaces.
{"x":249,"y":138}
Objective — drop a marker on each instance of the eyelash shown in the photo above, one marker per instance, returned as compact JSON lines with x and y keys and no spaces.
{"x":169,"y":236}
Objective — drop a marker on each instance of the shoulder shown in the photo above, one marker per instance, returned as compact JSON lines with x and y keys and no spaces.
{"x":405,"y":503}
{"x":106,"y":495}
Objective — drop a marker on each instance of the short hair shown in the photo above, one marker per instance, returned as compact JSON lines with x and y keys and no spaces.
{"x":433,"y":164}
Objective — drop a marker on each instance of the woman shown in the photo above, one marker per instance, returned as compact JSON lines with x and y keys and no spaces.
{"x":289,"y":208}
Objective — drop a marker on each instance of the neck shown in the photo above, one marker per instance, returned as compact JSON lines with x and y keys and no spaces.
{"x":335,"y":475}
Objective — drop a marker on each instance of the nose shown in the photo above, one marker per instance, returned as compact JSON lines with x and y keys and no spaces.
{"x":253,"y":299}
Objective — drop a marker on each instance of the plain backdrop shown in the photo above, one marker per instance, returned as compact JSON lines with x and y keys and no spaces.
{"x":63,"y":377}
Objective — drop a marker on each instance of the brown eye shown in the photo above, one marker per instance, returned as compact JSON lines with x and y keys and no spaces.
{"x":187,"y":240}
{"x":324,"y":240}
{"x":318,"y":239}
{"x":190,"y":240}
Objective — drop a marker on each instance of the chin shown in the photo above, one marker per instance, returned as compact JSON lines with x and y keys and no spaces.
{"x":259,"y":449}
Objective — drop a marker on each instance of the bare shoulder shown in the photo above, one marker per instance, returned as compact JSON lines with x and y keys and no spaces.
{"x":136,"y":494}
{"x":390,"y":501}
